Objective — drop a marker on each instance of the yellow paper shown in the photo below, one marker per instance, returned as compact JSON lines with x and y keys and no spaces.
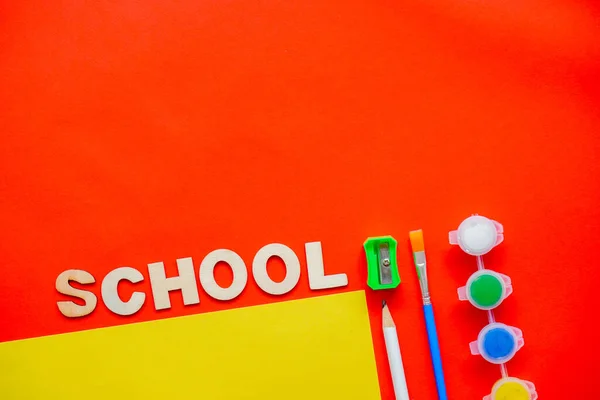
{"x":310,"y":349}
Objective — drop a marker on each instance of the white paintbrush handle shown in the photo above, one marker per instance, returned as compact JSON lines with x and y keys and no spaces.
{"x":395,"y":359}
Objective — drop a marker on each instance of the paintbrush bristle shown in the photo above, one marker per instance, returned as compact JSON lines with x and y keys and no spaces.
{"x":416,"y":241}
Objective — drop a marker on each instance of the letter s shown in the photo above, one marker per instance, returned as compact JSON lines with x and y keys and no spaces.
{"x":69,"y":308}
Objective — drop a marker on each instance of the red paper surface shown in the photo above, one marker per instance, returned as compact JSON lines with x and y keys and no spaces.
{"x":135,"y":132}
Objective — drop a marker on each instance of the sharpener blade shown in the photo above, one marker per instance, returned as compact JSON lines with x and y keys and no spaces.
{"x":385,"y":263}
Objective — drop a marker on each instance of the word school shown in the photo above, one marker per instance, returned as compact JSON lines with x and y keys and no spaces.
{"x":186,"y":280}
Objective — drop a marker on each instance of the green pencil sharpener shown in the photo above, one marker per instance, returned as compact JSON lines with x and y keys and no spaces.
{"x":381,"y":262}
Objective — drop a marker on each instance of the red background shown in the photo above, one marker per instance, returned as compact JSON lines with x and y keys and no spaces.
{"x":135,"y":132}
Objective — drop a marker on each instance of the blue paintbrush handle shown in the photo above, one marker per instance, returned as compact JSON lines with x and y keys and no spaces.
{"x":434,"y":347}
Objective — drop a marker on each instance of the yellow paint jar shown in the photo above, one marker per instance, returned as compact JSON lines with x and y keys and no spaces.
{"x":512,"y":389}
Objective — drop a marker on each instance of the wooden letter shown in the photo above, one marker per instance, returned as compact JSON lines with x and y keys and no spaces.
{"x":292,"y":264}
{"x":110,"y":296}
{"x":316,"y":272}
{"x":69,"y":308}
{"x":161,"y":285}
{"x":207,"y":277}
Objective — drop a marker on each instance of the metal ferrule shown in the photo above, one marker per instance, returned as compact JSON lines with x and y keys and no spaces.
{"x":421,"y":265}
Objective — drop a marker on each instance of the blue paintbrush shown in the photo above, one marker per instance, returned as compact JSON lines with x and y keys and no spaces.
{"x":418,"y":248}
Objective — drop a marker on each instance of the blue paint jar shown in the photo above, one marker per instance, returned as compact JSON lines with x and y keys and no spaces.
{"x":497,"y":343}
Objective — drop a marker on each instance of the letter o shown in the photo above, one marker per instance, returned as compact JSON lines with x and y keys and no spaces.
{"x":207,"y":276}
{"x":292,"y":264}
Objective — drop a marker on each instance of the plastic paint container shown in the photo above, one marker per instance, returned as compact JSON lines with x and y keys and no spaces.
{"x":512,"y":389}
{"x":486,"y":289}
{"x":497,"y":343}
{"x":477,"y":235}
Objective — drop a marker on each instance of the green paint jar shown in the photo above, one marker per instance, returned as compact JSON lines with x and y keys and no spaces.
{"x":486,"y":289}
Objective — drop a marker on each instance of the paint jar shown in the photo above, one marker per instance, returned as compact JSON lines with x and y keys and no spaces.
{"x":497,"y":343}
{"x":486,"y":289}
{"x":512,"y":389}
{"x":477,"y":235}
